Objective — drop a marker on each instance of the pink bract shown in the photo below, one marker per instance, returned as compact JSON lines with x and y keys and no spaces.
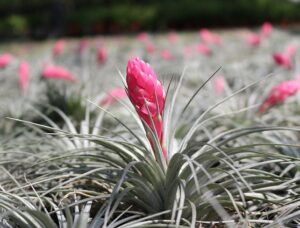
{"x":5,"y":60}
{"x":101,"y":55}
{"x":172,"y":37}
{"x":83,"y":45}
{"x":290,"y":50}
{"x":150,"y":47}
{"x":146,"y":93}
{"x":253,"y":39}
{"x":280,"y":93}
{"x":203,"y":49}
{"x":219,"y":84}
{"x":143,"y":36}
{"x":58,"y":72}
{"x":113,"y":95}
{"x":58,"y":47}
{"x":23,"y":72}
{"x":282,"y":60}
{"x":166,"y":54}
{"x":266,"y":29}
{"x":209,"y":37}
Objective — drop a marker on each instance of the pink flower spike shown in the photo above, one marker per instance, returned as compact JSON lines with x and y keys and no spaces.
{"x":209,"y":37}
{"x":203,"y":49}
{"x":113,"y":96}
{"x":5,"y":60}
{"x":266,"y":29}
{"x":24,"y":76}
{"x":282,"y":60}
{"x":166,"y":54}
{"x":146,"y":92}
{"x":57,"y":72}
{"x":101,"y":55}
{"x":280,"y":93}
{"x":219,"y":84}
{"x":58,"y":47}
{"x":253,"y":39}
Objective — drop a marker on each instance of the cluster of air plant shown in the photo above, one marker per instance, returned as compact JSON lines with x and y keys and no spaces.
{"x":158,"y":175}
{"x":164,"y":157}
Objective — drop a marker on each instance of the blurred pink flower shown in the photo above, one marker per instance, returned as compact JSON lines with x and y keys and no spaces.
{"x":143,"y":36}
{"x":83,"y":45}
{"x":203,"y":49}
{"x":188,"y":50}
{"x":58,"y":47}
{"x":57,"y":72}
{"x":146,"y":93}
{"x":282,"y":60}
{"x":280,"y":93}
{"x":266,"y":29}
{"x":290,"y":50}
{"x":219,"y":84}
{"x":253,"y":39}
{"x":113,"y":95}
{"x":210,"y":37}
{"x":101,"y":55}
{"x":23,"y":72}
{"x":172,"y":37}
{"x":166,"y":54}
{"x":5,"y":59}
{"x":150,"y":47}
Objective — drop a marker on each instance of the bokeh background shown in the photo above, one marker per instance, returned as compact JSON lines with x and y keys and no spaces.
{"x":52,"y":18}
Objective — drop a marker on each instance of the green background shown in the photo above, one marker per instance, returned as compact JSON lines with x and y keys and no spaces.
{"x":42,"y":18}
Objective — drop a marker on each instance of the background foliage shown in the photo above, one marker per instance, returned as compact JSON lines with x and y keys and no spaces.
{"x":40,"y":19}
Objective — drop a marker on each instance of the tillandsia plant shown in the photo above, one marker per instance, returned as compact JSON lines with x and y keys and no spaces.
{"x":217,"y":179}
